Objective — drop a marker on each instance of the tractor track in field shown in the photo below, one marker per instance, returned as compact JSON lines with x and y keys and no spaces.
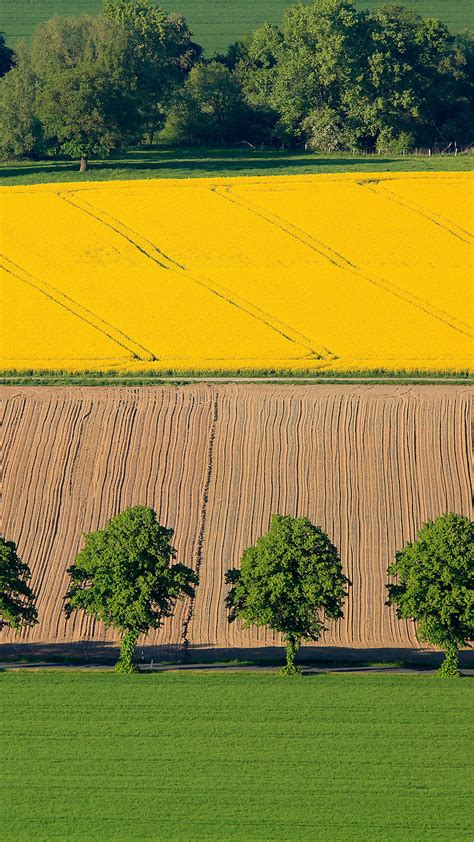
{"x":377,"y":186}
{"x":340,"y":261}
{"x":368,"y":463}
{"x":95,"y":321}
{"x":203,"y":519}
{"x":148,"y":249}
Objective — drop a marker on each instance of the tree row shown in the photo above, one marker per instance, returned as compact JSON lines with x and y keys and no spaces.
{"x":330,"y":78}
{"x":291,"y":581}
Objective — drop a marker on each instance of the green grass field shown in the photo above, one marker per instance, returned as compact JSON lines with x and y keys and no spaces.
{"x":215,"y":23}
{"x":173,"y":162}
{"x":196,"y":756}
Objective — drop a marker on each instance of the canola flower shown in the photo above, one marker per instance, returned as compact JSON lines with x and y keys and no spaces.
{"x":340,"y":272}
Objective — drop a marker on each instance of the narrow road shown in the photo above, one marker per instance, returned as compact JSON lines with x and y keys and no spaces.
{"x":227,"y":668}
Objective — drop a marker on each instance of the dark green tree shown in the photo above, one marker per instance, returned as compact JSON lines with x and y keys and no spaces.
{"x":125,"y":577}
{"x":209,"y":107}
{"x":414,"y":79}
{"x":163,"y":53}
{"x":291,"y":581}
{"x":85,"y":98}
{"x":435,"y":585}
{"x":6,"y":56}
{"x":309,"y":65}
{"x":21,"y":131}
{"x":16,"y":597}
{"x":338,"y":78}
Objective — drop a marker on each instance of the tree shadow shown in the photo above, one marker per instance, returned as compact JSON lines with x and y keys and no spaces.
{"x":186,"y":161}
{"x":208,"y":657}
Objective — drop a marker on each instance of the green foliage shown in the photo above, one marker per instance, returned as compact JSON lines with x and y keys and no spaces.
{"x":71,"y":91}
{"x":338,"y":79}
{"x":291,"y":580}
{"x":210,"y":106}
{"x":85,"y":78}
{"x":16,"y":597}
{"x":127,"y":651}
{"x":124,"y":576}
{"x":331,"y":77}
{"x":450,"y":666}
{"x":435,"y":585}
{"x":163,"y":53}
{"x":6,"y":56}
{"x":21,"y":132}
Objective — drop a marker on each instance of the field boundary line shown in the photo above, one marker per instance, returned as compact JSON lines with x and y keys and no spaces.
{"x":203,"y":519}
{"x":235,"y":300}
{"x":342,"y":262}
{"x":377,"y":186}
{"x":184,"y":379}
{"x":95,"y":321}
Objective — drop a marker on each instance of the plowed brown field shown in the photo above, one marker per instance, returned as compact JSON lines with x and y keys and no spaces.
{"x":368,"y":463}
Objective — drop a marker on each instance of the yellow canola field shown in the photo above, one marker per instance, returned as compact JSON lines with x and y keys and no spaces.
{"x":339,"y":272}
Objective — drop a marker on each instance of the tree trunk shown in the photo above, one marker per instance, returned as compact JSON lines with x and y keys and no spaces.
{"x":450,"y":666}
{"x":127,"y":651}
{"x":293,"y":644}
{"x":84,"y":164}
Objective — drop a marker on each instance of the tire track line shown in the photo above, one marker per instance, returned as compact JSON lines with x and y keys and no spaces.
{"x":374,"y":185}
{"x":203,"y":520}
{"x":138,"y":352}
{"x":342,"y":262}
{"x":348,"y":462}
{"x":149,"y":249}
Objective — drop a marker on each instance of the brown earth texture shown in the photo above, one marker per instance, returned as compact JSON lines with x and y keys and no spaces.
{"x":367,"y":463}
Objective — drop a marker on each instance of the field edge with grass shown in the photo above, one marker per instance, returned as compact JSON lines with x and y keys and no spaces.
{"x":205,"y":162}
{"x":183,"y":378}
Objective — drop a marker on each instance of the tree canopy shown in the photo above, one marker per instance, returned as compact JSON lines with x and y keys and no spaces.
{"x":330,"y":77}
{"x":291,"y":580}
{"x":6,"y":56}
{"x":162,"y":51}
{"x":435,"y":585}
{"x":337,"y":78}
{"x":125,"y":577}
{"x":75,"y":83}
{"x":210,"y":106}
{"x":16,"y":597}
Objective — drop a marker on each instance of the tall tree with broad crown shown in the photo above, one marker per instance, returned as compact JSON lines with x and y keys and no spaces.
{"x":125,"y":577}
{"x":435,"y":585}
{"x":162,"y":52}
{"x":85,"y":86}
{"x":291,"y":581}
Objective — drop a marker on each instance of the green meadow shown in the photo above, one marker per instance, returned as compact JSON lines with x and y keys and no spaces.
{"x":206,"y":161}
{"x":248,"y":756}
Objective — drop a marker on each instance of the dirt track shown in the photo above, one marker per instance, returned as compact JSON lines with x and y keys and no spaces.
{"x":368,"y":463}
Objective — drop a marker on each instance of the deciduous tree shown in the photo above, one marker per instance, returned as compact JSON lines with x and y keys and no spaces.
{"x":163,"y":53}
{"x":21,"y":131}
{"x":85,"y":78}
{"x":210,"y":107}
{"x":6,"y":56}
{"x":435,"y":585}
{"x":291,"y":581}
{"x":16,"y":597}
{"x":125,"y":577}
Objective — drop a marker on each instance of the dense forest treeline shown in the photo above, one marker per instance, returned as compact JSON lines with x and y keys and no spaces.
{"x":330,"y":77}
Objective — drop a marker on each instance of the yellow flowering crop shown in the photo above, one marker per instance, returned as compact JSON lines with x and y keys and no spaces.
{"x":341,"y":272}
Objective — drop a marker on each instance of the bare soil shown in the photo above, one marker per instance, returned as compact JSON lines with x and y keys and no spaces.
{"x":368,"y":463}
